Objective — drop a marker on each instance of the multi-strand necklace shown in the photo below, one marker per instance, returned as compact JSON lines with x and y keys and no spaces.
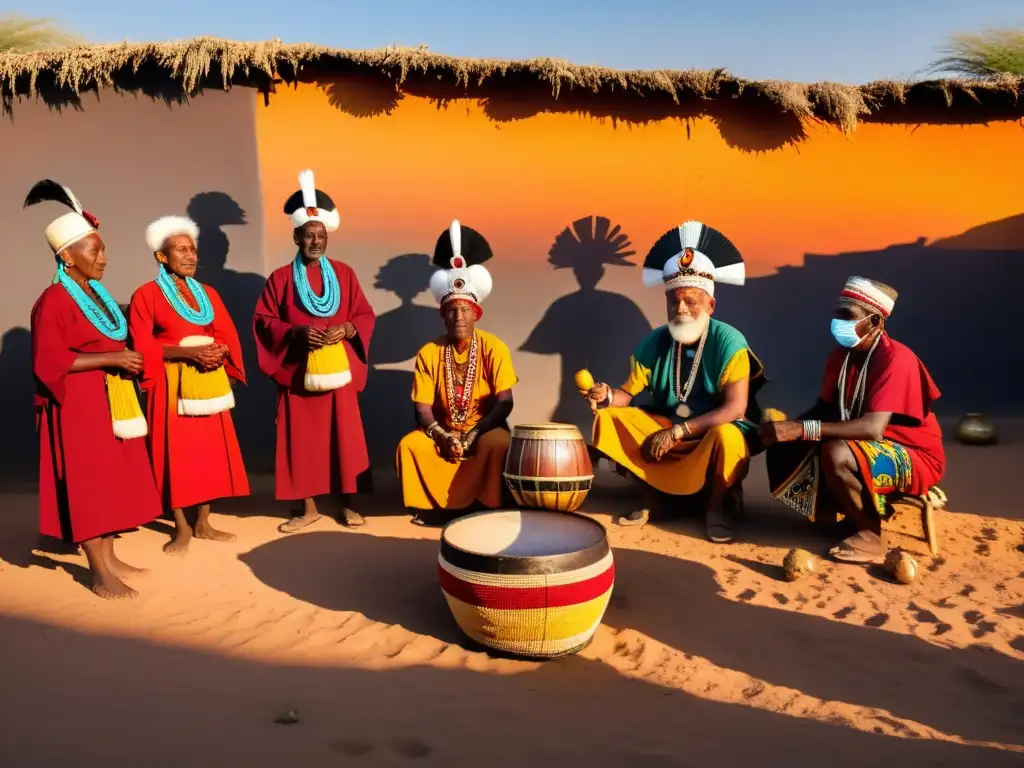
{"x":859,"y":389}
{"x":458,"y":403}
{"x":110,"y":323}
{"x":319,"y":306}
{"x":172,"y":292}
{"x":682,"y":391}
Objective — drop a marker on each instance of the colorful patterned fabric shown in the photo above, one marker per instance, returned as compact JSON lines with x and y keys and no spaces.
{"x":794,"y":474}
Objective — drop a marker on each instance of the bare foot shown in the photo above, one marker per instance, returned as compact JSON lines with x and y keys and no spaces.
{"x":298,"y":523}
{"x":122,"y":570}
{"x":207,"y":531}
{"x":110,"y":587}
{"x":178,"y":546}
{"x":636,"y":518}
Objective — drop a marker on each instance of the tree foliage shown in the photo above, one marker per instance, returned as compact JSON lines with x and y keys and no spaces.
{"x":989,"y":53}
{"x":19,"y":34}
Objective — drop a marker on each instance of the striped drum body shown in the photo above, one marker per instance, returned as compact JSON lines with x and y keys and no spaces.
{"x":548,"y":467}
{"x":528,"y":583}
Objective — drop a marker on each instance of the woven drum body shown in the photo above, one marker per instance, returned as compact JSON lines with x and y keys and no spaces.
{"x":548,"y":467}
{"x":327,"y":368}
{"x":529,"y":583}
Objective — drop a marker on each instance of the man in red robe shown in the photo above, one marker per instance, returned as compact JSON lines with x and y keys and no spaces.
{"x":872,"y":431}
{"x":184,"y":332}
{"x":313,"y":326}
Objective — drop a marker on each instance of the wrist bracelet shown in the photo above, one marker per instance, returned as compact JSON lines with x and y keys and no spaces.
{"x":812,"y":431}
{"x":611,"y":397}
{"x":431,"y":429}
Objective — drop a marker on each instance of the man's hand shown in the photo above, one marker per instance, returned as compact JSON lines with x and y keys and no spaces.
{"x":208,"y":358}
{"x":598,"y":394}
{"x":657,"y":445}
{"x":775,"y":432}
{"x":128,"y":361}
{"x":449,"y":445}
{"x":312,"y":337}
{"x":338,"y":333}
{"x":468,"y":441}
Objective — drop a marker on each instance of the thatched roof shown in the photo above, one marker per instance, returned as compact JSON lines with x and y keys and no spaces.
{"x":508,"y":89}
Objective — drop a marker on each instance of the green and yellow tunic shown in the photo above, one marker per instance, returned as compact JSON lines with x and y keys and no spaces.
{"x":721,"y":453}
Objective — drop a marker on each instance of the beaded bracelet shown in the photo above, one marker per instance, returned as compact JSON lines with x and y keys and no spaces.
{"x":812,"y":431}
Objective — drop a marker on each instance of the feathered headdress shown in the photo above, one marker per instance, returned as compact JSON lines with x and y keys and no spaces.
{"x":459,"y":255}
{"x":693,"y":255}
{"x":311,"y":204}
{"x":68,"y":229}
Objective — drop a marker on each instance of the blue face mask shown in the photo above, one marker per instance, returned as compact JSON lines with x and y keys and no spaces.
{"x":845,"y":332}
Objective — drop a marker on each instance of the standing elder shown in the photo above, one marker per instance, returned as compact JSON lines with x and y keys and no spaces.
{"x":190,"y":348}
{"x":95,"y":479}
{"x":313,"y":327}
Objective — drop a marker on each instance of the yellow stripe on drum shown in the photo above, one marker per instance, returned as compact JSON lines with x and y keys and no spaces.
{"x":530,"y":580}
{"x":537,"y":631}
{"x":556,"y":501}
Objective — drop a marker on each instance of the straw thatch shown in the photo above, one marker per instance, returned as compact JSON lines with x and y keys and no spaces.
{"x":508,"y":89}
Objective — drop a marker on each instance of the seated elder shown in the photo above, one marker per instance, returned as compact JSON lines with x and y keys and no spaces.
{"x":871,"y":432}
{"x":702,"y":379}
{"x":462,"y":391}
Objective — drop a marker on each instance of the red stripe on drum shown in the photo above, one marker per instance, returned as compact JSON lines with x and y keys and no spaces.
{"x":512,"y":598}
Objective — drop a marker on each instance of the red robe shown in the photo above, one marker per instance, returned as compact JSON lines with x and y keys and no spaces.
{"x":321,"y":447}
{"x":90,"y":482}
{"x":898,"y":383}
{"x":196,"y":459}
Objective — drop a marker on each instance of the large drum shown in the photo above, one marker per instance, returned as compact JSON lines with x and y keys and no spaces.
{"x":529,"y":583}
{"x":548,"y":466}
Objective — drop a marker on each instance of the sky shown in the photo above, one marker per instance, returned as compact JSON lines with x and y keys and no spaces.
{"x":801,"y":40}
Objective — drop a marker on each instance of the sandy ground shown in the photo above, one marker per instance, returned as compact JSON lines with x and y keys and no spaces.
{"x":707,"y":657}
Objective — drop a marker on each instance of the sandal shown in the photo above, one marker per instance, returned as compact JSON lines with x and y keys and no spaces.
{"x":351,"y":518}
{"x":862,"y":548}
{"x":637,"y":518}
{"x":718,"y":527}
{"x":298,"y":523}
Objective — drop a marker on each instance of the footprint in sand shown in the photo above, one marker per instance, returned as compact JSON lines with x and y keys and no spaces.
{"x":411,"y":748}
{"x":842,"y":613}
{"x":923,"y":614}
{"x":972,"y":617}
{"x":747,"y":594}
{"x":936,"y":563}
{"x":989,"y":534}
{"x":942,"y":628}
{"x":780,"y":598}
{"x":877,"y":620}
{"x":967,"y":591}
{"x":982,"y":549}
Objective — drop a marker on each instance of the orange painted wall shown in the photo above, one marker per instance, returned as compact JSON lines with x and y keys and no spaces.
{"x":399,"y":178}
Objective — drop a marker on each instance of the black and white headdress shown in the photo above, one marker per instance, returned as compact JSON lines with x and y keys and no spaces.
{"x":311,"y":204}
{"x":68,"y":229}
{"x":693,"y":255}
{"x":459,"y":255}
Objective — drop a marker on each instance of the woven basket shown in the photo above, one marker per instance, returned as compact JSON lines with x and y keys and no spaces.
{"x":527,"y":583}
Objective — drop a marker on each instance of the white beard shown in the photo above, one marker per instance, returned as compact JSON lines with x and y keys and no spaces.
{"x":688,"y":330}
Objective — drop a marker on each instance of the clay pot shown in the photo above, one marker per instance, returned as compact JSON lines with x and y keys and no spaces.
{"x":975,"y":429}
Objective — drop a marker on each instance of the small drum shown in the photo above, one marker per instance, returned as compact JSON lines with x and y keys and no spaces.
{"x":528,"y":583}
{"x":548,"y":466}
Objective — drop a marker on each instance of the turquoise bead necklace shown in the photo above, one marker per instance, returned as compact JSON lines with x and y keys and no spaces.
{"x":171,"y":292}
{"x":110,"y":323}
{"x":319,"y":306}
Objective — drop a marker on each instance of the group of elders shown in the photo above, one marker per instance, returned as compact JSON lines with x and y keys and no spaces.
{"x":871,"y":432}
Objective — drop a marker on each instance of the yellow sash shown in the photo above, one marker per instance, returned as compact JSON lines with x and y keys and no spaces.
{"x":327,"y":368}
{"x":202,"y":393}
{"x":125,"y":411}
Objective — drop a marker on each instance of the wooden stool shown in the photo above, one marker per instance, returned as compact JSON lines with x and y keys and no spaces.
{"x":927,"y":503}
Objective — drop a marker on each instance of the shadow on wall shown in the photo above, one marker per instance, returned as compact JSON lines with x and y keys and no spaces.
{"x":397,"y":338}
{"x":955,"y":311}
{"x":18,"y":450}
{"x":589,"y":328}
{"x":255,"y":402}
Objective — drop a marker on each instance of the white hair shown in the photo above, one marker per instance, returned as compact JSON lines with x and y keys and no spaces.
{"x":169,"y":226}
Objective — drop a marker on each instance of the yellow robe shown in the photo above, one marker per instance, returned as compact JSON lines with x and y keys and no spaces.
{"x":430,"y":482}
{"x":721,"y":454}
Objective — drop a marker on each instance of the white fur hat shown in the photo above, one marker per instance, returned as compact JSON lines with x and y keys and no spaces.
{"x":169,"y":226}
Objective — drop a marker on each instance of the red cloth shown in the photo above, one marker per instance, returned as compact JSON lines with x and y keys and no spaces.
{"x":898,"y":383}
{"x":196,"y":459}
{"x":321,"y":447}
{"x":90,"y":482}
